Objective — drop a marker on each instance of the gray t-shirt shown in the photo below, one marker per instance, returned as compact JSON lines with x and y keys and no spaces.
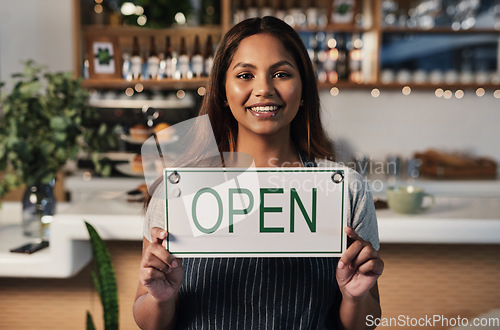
{"x":266,"y":293}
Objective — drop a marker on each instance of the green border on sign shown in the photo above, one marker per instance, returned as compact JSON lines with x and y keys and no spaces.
{"x":308,"y":169}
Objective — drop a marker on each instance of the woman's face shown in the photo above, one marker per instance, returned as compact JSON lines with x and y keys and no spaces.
{"x":263,"y":86}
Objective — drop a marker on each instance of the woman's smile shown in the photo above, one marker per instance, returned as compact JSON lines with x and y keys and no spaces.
{"x":264,"y":110}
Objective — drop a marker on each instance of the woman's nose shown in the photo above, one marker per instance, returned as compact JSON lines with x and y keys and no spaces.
{"x":264,"y":86}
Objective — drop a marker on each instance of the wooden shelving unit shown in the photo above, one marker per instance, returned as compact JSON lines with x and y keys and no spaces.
{"x":163,"y":84}
{"x":371,"y":30}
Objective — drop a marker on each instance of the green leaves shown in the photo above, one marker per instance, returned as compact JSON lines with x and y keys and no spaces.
{"x":90,"y":322}
{"x":45,"y":120}
{"x":104,"y":280}
{"x":58,"y":123}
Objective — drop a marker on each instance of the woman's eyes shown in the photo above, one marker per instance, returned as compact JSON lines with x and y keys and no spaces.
{"x":244,"y":76}
{"x":280,"y":74}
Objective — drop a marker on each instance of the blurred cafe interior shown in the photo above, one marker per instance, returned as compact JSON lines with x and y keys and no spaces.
{"x":410,"y":97}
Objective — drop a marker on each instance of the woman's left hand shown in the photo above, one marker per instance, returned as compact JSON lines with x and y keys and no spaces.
{"x":359,"y":267}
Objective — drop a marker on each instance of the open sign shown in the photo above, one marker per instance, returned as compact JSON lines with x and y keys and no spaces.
{"x":271,"y":212}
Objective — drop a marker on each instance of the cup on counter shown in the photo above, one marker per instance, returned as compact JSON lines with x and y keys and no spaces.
{"x":408,"y":199}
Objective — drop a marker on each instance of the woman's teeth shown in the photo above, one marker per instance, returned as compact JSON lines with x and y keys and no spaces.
{"x":269,"y":108}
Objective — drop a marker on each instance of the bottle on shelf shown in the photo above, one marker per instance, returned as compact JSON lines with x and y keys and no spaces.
{"x":312,"y":14}
{"x":267,"y":9}
{"x":280,"y":11}
{"x":343,"y":58}
{"x":183,"y":70}
{"x":296,"y":16}
{"x":115,"y":15}
{"x":321,"y":57}
{"x":208,"y":55}
{"x":126,"y":66}
{"x":239,"y":12}
{"x":153,"y":65}
{"x":197,"y":58}
{"x":355,"y":60}
{"x":252,"y":9}
{"x":168,"y":62}
{"x":85,"y":67}
{"x":136,"y":60}
{"x":332,"y":55}
{"x":312,"y":49}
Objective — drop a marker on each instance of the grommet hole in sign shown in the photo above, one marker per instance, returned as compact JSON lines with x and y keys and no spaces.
{"x":176,"y":192}
{"x":338,"y":177}
{"x":174,"y":177}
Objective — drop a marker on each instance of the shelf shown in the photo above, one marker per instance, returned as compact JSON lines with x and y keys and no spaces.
{"x":130,"y":31}
{"x":346,"y":85}
{"x":439,"y":30}
{"x":427,"y":86}
{"x":335,"y":28}
{"x":443,"y":85}
{"x":193,"y":83}
{"x":171,"y":102}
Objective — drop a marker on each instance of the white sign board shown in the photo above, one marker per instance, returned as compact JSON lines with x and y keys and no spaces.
{"x":266,"y":212}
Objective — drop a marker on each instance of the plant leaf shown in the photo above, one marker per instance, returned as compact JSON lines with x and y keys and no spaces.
{"x":106,"y":278}
{"x":97,"y":284}
{"x":90,"y":322}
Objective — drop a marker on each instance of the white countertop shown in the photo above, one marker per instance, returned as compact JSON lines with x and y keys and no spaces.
{"x":458,"y":220}
{"x":69,"y":250}
{"x":465,"y":213}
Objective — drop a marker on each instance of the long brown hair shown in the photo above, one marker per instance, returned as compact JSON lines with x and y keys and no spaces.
{"x":306,"y":130}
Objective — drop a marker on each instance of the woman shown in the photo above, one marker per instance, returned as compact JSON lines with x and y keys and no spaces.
{"x":262,"y":99}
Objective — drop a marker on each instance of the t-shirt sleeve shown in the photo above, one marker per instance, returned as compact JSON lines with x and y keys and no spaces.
{"x":155,"y":213}
{"x":363,"y":218}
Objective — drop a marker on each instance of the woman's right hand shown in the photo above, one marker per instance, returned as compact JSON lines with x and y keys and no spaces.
{"x":160,"y":273}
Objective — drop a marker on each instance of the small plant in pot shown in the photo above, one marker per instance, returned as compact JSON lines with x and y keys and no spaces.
{"x":45,"y":122}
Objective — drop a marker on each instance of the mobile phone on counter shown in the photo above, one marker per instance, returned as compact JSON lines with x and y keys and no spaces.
{"x":30,"y":247}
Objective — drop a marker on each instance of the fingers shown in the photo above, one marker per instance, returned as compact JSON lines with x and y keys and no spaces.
{"x":158,"y":235}
{"x":352,"y":236}
{"x":373,"y":266}
{"x":157,"y":261}
{"x":359,"y":254}
{"x":148,"y":275}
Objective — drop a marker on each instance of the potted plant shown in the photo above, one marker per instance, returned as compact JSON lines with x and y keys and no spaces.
{"x":45,"y":122}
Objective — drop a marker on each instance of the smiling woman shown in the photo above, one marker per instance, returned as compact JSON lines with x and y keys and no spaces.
{"x":262,"y":100}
